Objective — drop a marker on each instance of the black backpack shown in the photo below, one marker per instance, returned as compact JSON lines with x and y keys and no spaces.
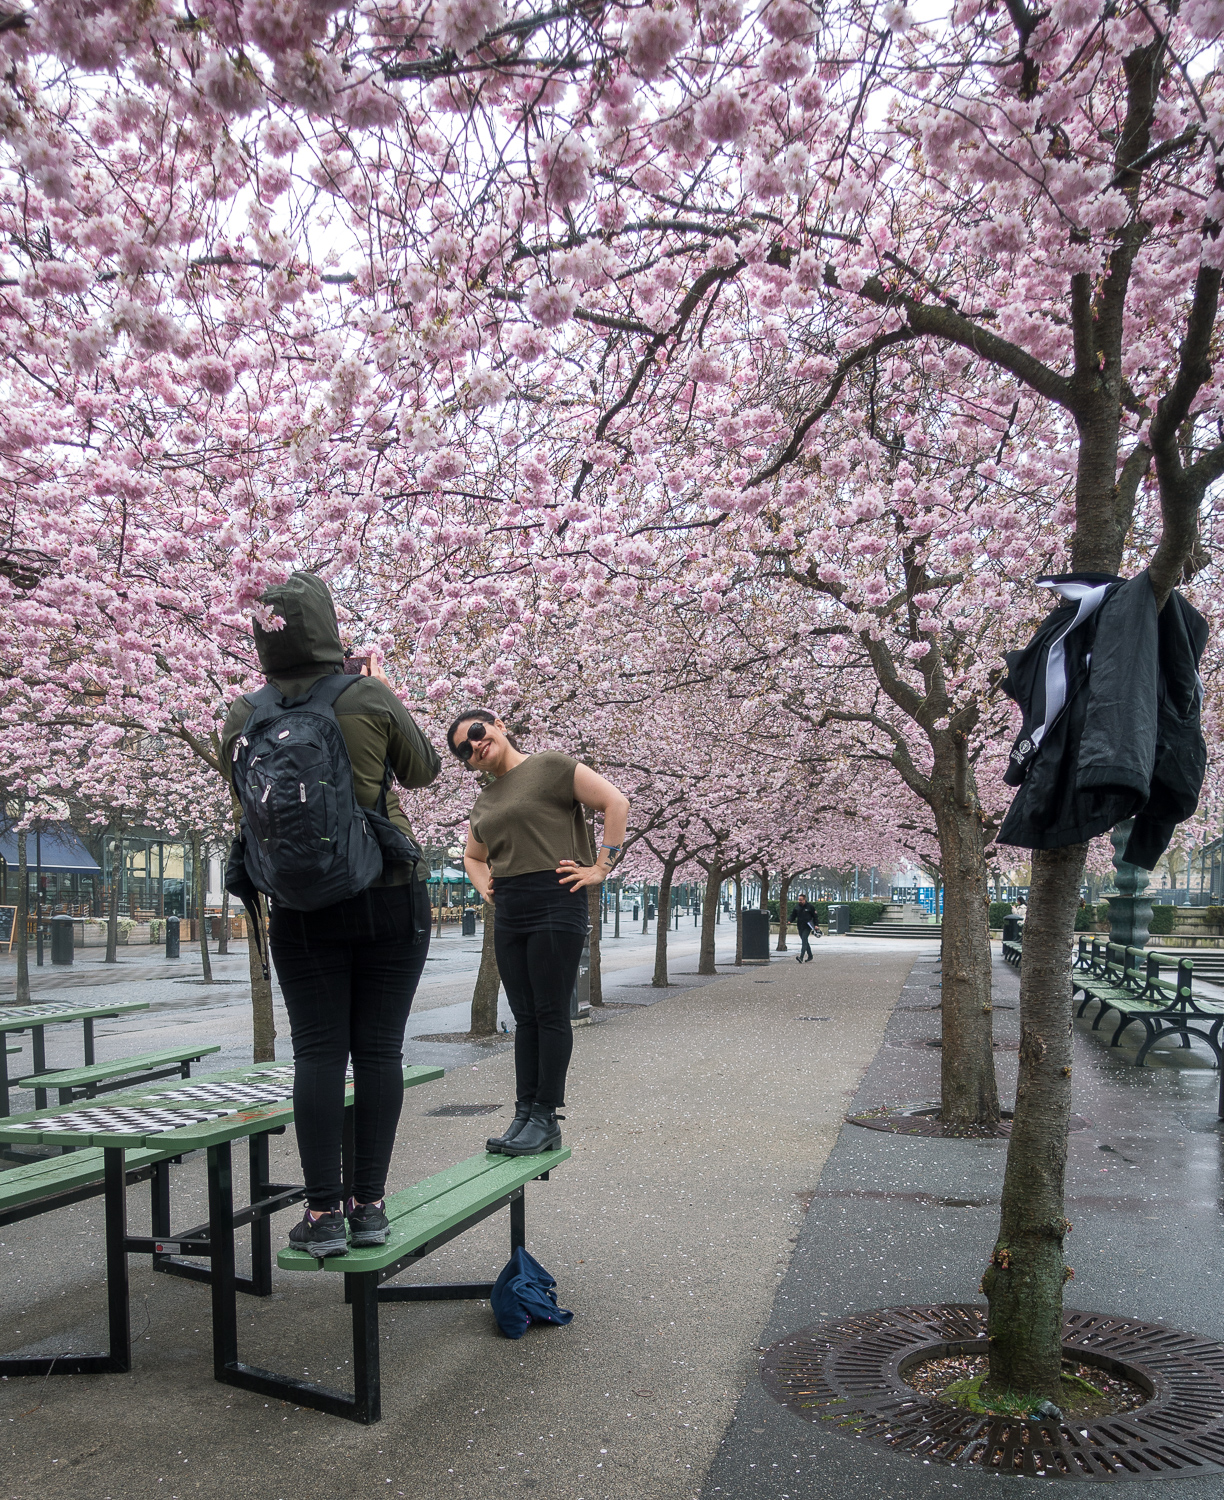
{"x":304,"y":841}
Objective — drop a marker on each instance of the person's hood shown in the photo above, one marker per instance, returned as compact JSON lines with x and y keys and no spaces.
{"x":309,"y":640}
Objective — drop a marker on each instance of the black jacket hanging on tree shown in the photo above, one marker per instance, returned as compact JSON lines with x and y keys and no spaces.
{"x":1111,"y":699}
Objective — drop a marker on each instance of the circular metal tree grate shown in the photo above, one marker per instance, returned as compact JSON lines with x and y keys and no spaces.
{"x":923,"y":1119}
{"x":850,"y":1373}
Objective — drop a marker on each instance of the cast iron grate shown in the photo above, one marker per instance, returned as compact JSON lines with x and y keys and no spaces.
{"x":451,"y":1110}
{"x":923,"y":1119}
{"x":850,"y":1373}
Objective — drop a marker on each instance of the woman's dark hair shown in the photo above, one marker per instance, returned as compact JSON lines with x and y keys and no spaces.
{"x":485,"y":716}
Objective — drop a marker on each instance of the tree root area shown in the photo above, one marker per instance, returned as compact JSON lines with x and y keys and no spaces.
{"x":1087,"y":1392}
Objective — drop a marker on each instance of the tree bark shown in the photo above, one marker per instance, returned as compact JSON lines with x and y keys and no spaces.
{"x":764,"y":889}
{"x":595,"y":896}
{"x":488,"y":982}
{"x":739,"y":920}
{"x":783,"y":898}
{"x":263,"y":1016}
{"x":22,"y":938}
{"x":969,"y":1093}
{"x":223,"y":941}
{"x":709,"y":915}
{"x":200,"y":872}
{"x":112,"y":921}
{"x":1024,"y":1280}
{"x":659,"y":979}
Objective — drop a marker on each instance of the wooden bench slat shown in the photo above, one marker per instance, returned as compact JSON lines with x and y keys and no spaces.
{"x":433,"y":1206}
{"x":60,"y":1174}
{"x":99,"y":1072}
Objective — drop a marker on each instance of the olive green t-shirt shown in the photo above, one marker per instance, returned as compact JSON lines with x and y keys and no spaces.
{"x":528,"y":819}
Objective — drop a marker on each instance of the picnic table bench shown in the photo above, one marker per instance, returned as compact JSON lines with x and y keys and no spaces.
{"x":120,"y":1073}
{"x":36,"y":1018}
{"x":423,"y":1218}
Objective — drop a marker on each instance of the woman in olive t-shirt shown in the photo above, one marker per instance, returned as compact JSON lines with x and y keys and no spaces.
{"x":529,"y":853}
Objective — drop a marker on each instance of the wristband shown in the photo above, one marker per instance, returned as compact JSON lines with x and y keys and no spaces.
{"x":612,"y":848}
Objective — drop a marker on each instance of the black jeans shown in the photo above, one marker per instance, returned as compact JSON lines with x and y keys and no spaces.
{"x":539,"y":970}
{"x":348,"y":974}
{"x":805,"y":940}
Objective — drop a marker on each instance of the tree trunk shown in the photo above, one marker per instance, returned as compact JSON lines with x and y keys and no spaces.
{"x":783,"y":898}
{"x":596,"y":972}
{"x":659,"y":979}
{"x":488,"y":982}
{"x":969,"y":1094}
{"x":263,"y":1016}
{"x":616,"y":929}
{"x":645,"y":908}
{"x":764,"y":889}
{"x":709,"y":914}
{"x":112,"y":921}
{"x":739,"y":919}
{"x":22,"y":996}
{"x":223,"y":940}
{"x":1024,"y":1280}
{"x":200,"y":871}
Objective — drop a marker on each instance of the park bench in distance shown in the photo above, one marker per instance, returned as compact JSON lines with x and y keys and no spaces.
{"x":120,"y":1073}
{"x":1127,"y":982}
{"x":423,"y":1218}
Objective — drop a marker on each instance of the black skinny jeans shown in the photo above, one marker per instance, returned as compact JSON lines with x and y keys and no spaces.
{"x":805,"y":939}
{"x":348,"y":974}
{"x":538,"y":970}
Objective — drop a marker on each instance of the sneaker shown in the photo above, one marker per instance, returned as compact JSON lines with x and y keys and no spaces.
{"x":368,"y":1223}
{"x":320,"y":1237}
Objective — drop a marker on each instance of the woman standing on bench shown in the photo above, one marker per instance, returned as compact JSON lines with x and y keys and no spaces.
{"x":529,"y":853}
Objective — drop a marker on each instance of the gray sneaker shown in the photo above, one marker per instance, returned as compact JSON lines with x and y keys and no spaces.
{"x":368,"y":1223}
{"x":320,"y":1237}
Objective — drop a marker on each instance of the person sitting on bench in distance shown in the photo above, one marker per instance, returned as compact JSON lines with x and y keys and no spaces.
{"x":529,"y":853}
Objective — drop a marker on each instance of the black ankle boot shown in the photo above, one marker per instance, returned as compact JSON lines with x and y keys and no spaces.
{"x":541,"y":1133}
{"x":522,"y":1113}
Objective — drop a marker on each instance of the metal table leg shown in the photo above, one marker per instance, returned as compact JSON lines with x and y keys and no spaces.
{"x":4,"y":1078}
{"x":87,"y":1026}
{"x":39,"y":1045}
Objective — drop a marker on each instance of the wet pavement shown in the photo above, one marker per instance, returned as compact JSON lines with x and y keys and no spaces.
{"x":901,"y":1220}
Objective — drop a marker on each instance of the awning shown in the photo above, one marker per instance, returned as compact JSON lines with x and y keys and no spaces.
{"x":62,"y":852}
{"x":449,"y":875}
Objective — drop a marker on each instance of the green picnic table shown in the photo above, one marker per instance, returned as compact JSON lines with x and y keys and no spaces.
{"x":36,"y":1018}
{"x":158,"y":1127}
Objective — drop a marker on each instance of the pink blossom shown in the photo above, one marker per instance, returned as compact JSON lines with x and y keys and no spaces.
{"x":462,"y":24}
{"x":565,"y":163}
{"x":655,"y":36}
{"x":705,"y":369}
{"x":551,"y":306}
{"x":232,"y":88}
{"x":721,"y":18}
{"x":214,"y":374}
{"x":784,"y":62}
{"x":438,"y":689}
{"x":723,"y":116}
{"x":785,"y":20}
{"x":526,"y":343}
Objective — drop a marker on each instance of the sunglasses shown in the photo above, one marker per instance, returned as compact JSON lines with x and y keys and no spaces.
{"x":476,"y":733}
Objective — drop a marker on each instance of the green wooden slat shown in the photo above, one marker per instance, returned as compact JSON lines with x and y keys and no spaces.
{"x":10,"y":1049}
{"x":483,"y":1180}
{"x":99,"y":1072}
{"x":22,"y":1185}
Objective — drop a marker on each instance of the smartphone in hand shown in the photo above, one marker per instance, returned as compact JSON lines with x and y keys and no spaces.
{"x":355,"y":665}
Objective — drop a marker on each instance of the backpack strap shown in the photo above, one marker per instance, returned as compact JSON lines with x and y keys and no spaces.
{"x":269,"y":701}
{"x":326,"y":690}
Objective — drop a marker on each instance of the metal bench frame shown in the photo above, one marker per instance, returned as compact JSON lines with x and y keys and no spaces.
{"x":363,"y":1290}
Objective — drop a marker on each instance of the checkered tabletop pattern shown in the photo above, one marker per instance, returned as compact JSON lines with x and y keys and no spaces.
{"x":37,"y":1012}
{"x":117,"y":1120}
{"x":244,"y":1094}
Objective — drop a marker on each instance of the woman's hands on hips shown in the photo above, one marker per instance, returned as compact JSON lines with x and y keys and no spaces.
{"x":576,"y":876}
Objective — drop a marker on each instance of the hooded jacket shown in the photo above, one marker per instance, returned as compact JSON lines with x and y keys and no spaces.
{"x":378,"y":730}
{"x":1111,"y":700}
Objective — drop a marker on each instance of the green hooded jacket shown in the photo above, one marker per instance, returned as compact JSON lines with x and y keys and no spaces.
{"x":376,"y":726}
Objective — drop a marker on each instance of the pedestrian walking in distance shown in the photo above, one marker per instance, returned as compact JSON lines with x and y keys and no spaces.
{"x":804,"y":918}
{"x":311,"y":758}
{"x":530,"y":853}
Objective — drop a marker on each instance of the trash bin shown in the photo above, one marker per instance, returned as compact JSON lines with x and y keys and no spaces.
{"x":580,"y":999}
{"x":172,"y":937}
{"x":1011,"y":928}
{"x":651,"y":912}
{"x":839,"y":919}
{"x":62,"y":940}
{"x":755,"y":925}
{"x":469,"y":923}
{"x":636,"y":912}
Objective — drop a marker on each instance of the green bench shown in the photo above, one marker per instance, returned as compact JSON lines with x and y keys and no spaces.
{"x":1011,"y":952}
{"x":54,"y":1182}
{"x":1128,"y":983}
{"x":120,"y":1073}
{"x":423,"y":1218}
